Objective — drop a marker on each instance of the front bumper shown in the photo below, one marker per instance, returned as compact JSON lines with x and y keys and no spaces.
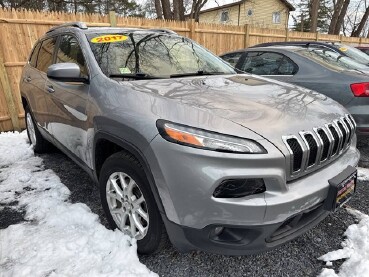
{"x":244,"y":240}
{"x":186,"y":179}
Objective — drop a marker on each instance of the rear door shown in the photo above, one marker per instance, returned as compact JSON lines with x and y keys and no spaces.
{"x":68,"y":101}
{"x":34,"y":79}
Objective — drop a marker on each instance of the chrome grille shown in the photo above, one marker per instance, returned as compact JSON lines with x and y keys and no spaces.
{"x":311,"y":149}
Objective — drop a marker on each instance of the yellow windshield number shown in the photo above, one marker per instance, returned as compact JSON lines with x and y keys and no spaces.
{"x":109,"y":39}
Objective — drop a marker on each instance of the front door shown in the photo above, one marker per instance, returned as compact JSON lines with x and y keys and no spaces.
{"x":69,"y":100}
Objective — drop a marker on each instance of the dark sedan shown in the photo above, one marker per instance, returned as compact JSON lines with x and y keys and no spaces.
{"x":340,"y":48}
{"x":318,"y":69}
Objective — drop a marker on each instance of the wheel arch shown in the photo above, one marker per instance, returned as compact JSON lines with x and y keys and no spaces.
{"x":106,"y":145}
{"x":24,"y":102}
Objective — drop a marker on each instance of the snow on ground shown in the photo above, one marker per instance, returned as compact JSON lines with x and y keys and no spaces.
{"x":58,"y":238}
{"x":363,"y":174}
{"x":355,"y":249}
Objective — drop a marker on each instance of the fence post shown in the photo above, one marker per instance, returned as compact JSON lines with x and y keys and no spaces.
{"x":360,"y":41}
{"x":4,"y":80}
{"x":112,"y":19}
{"x":341,"y":40}
{"x":247,"y":35}
{"x":317,"y":36}
{"x":192,"y":29}
{"x":287,"y":34}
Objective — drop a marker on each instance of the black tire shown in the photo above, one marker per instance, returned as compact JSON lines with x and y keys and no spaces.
{"x":40,"y":145}
{"x":155,"y":237}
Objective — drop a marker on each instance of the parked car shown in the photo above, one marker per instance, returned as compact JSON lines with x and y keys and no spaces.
{"x":319,"y":69}
{"x":342,"y":49}
{"x":179,"y":143}
{"x":364,"y":49}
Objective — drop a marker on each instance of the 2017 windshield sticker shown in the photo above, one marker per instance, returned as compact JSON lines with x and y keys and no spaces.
{"x":109,"y":39}
{"x":343,"y":49}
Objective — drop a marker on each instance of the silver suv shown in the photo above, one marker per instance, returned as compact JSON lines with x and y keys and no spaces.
{"x":181,"y":144}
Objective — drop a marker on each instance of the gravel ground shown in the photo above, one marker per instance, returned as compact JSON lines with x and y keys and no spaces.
{"x":296,"y":258}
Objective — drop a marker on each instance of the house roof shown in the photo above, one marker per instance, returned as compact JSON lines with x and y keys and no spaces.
{"x":285,"y":2}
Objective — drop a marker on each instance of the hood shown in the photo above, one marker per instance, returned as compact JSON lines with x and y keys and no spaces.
{"x":270,"y":108}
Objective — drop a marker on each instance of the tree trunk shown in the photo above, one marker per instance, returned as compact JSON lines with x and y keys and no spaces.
{"x":336,"y":12}
{"x":356,"y":32}
{"x":341,"y":17}
{"x":196,"y":7}
{"x":176,"y":9}
{"x":166,"y":9}
{"x":314,"y":7}
{"x":159,"y":11}
{"x":181,"y":10}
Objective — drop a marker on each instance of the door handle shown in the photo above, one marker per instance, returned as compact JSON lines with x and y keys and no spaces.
{"x":50,"y":89}
{"x":28,"y":79}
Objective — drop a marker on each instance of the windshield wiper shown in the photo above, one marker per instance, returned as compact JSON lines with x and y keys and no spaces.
{"x":134,"y":76}
{"x":198,"y":73}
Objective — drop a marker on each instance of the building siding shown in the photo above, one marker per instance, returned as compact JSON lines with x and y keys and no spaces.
{"x":262,"y":14}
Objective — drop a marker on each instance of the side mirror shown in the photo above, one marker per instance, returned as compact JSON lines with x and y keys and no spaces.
{"x":65,"y":72}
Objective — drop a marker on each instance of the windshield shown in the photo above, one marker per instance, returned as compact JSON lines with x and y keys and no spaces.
{"x":353,"y":53}
{"x":153,"y":54}
{"x":332,"y":59}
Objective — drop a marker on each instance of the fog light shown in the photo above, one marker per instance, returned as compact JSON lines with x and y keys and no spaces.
{"x":235,"y":188}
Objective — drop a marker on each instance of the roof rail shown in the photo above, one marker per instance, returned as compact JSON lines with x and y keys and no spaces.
{"x":77,"y":24}
{"x":164,"y":31}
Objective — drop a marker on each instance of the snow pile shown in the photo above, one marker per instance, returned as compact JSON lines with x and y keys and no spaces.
{"x":59,"y":238}
{"x":363,"y":174}
{"x":355,"y":250}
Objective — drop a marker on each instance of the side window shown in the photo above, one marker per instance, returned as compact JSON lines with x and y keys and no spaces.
{"x":70,"y":52}
{"x":268,"y":63}
{"x":276,"y":17}
{"x":33,"y":57}
{"x":232,"y":58}
{"x":224,"y":16}
{"x":45,"y":55}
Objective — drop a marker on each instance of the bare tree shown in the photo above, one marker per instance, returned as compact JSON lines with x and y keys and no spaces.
{"x":196,"y":7}
{"x":164,"y":8}
{"x":341,"y":17}
{"x":336,"y":12}
{"x":314,"y":9}
{"x":167,"y":12}
{"x":159,"y":11}
{"x":357,"y":31}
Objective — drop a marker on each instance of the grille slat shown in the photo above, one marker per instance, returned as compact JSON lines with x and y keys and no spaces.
{"x":323,"y":136}
{"x":336,"y":139}
{"x":344,"y":135}
{"x":297,"y":153}
{"x":312,"y":149}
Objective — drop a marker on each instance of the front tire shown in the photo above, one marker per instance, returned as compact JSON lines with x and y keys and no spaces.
{"x":128,"y":202}
{"x":40,"y":145}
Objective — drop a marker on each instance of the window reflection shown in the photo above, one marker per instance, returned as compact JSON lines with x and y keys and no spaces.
{"x":154,"y":54}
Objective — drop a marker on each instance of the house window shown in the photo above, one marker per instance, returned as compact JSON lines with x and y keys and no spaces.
{"x":250,"y":12}
{"x":277,"y":17}
{"x":224,"y":17}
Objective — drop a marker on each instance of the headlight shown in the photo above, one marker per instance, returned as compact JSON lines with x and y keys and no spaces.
{"x":209,"y":140}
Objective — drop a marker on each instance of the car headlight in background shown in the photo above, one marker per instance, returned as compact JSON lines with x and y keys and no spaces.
{"x":198,"y":138}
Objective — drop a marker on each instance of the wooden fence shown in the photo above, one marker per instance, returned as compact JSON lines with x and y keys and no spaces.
{"x":20,"y":29}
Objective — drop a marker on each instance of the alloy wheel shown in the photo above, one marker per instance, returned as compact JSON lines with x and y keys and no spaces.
{"x":127,"y":205}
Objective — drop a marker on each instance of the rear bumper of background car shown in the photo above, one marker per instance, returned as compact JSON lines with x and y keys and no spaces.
{"x":187,"y":177}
